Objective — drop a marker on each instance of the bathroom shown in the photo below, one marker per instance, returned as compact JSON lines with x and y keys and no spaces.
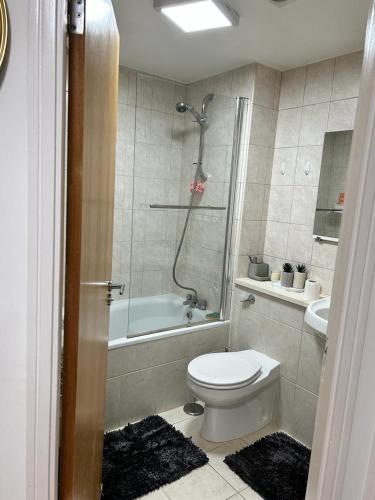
{"x":266,"y":181}
{"x":188,"y":212}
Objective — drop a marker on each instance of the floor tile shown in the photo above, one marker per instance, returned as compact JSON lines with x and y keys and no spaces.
{"x":216,"y":458}
{"x":191,"y":428}
{"x":250,"y":494}
{"x":269,"y":429}
{"x":201,"y":484}
{"x":155,"y":495}
{"x":175,"y":415}
{"x":237,"y":496}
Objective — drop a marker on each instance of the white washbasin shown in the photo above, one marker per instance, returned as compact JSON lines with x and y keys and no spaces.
{"x":317,"y":314}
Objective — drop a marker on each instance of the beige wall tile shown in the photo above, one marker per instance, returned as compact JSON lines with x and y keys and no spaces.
{"x":342,"y":115}
{"x":319,"y":82}
{"x":292,"y":88}
{"x":267,"y":86}
{"x":223,"y":83}
{"x":243,"y":81}
{"x":257,"y":164}
{"x":113,"y":403}
{"x":347,"y":76}
{"x":310,"y":362}
{"x":280,"y":202}
{"x":314,"y":124}
{"x":144,"y":91}
{"x":284,"y":167}
{"x":162,"y":388}
{"x":288,"y":127}
{"x":324,"y":255}
{"x":261,"y":126}
{"x":286,"y":405}
{"x":305,"y":404}
{"x":127,"y":86}
{"x":325,"y":278}
{"x":250,"y":237}
{"x":300,"y":243}
{"x":282,"y":343}
{"x":309,"y":159}
{"x":303,"y":205}
{"x":279,"y":310}
{"x":253,"y":202}
{"x":276,"y":239}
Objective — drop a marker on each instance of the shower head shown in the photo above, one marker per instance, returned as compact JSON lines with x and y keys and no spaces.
{"x":206,"y":100}
{"x":182,"y":107}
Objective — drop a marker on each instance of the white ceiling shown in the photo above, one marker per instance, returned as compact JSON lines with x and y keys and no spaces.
{"x":283,"y":37}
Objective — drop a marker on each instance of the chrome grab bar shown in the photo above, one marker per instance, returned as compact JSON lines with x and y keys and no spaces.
{"x":187,"y":207}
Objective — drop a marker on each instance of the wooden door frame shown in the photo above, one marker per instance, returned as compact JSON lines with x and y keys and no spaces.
{"x":46,"y":161}
{"x":340,"y":394}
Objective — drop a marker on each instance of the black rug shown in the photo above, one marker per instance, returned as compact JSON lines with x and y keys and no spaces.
{"x":144,"y":456}
{"x":276,"y":467}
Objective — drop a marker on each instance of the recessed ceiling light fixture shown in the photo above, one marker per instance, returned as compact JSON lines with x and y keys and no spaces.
{"x":198,"y":15}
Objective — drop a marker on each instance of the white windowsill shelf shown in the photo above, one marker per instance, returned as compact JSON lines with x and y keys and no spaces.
{"x":274,"y":290}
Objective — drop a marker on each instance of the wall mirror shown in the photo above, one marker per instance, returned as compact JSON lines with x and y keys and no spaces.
{"x":331,"y":192}
{"x":3,"y":30}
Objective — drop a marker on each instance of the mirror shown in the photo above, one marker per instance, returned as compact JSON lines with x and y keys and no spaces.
{"x":331,"y":192}
{"x":3,"y":30}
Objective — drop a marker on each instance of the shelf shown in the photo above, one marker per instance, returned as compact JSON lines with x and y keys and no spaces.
{"x":269,"y":288}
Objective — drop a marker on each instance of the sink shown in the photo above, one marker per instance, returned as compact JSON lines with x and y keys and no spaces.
{"x":317,"y":314}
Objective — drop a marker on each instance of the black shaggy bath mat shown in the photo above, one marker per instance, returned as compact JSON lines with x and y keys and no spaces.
{"x":276,"y":467}
{"x":144,"y":456}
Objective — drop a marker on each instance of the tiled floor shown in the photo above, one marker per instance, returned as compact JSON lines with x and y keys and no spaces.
{"x":214,"y":481}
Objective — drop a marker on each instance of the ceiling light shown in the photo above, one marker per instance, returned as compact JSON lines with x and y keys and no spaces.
{"x":198,"y":15}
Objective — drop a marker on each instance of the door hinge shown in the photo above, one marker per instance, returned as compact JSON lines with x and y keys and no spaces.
{"x":76,"y":17}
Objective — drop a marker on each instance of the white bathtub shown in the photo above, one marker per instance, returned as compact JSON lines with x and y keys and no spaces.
{"x":161,"y":316}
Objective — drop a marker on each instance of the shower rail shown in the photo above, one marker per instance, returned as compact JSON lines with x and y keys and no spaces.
{"x":186,"y":207}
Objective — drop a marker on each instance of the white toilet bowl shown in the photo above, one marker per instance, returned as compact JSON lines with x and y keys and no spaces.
{"x":238,"y":389}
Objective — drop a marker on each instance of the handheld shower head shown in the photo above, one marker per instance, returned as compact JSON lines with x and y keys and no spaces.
{"x":206,"y":100}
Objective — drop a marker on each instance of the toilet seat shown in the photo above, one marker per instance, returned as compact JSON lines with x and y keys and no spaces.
{"x":224,"y":370}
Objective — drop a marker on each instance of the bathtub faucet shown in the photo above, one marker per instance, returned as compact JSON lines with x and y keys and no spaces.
{"x":192,"y":301}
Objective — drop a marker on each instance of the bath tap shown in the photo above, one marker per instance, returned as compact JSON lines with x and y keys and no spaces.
{"x":202,"y":305}
{"x":192,"y":301}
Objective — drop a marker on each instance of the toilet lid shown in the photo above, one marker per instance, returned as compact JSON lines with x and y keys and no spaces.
{"x":223,"y":368}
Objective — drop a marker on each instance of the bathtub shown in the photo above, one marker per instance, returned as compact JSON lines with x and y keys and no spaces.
{"x":151,"y":318}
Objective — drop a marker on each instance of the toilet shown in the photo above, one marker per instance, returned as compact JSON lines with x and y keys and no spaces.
{"x":239,"y":391}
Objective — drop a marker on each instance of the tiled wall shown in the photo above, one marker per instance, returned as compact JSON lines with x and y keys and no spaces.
{"x":276,"y":328}
{"x":150,"y":377}
{"x":261,"y":86}
{"x":148,"y":168}
{"x":314,"y":100}
{"x":255,"y":164}
{"x":202,"y":258}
